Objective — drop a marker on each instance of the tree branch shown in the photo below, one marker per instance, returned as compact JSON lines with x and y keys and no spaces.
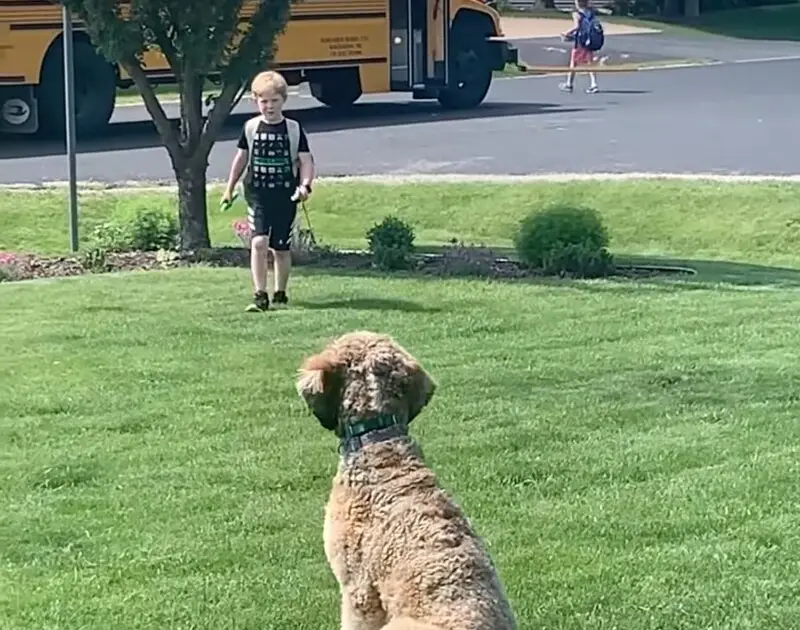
{"x":165,"y":129}
{"x":191,"y":111}
{"x":216,"y":118}
{"x":250,"y":46}
{"x":164,"y":42}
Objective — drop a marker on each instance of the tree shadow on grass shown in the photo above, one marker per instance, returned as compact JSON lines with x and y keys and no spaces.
{"x":709,"y":274}
{"x":723,"y":272}
{"x":368,"y":304}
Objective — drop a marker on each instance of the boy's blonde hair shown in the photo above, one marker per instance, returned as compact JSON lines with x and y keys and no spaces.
{"x":269,"y":81}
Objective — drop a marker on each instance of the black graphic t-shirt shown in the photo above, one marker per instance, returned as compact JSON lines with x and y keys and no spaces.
{"x":270,"y":177}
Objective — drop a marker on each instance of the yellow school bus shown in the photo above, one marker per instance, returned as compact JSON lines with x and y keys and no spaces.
{"x":433,"y":49}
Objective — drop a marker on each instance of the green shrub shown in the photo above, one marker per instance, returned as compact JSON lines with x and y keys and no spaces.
{"x":151,"y":230}
{"x":391,"y":243}
{"x":563,"y":239}
{"x":148,"y":230}
{"x":110,"y":236}
{"x":95,"y":260}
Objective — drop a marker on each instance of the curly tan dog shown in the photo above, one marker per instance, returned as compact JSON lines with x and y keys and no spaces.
{"x":404,"y":554}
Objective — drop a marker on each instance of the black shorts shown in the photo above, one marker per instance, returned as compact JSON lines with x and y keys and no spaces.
{"x":273,"y":216}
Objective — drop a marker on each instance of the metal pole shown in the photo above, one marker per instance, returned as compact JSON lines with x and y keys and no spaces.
{"x":69,"y":107}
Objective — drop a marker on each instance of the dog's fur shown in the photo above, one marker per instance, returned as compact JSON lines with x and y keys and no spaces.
{"x":404,"y":554}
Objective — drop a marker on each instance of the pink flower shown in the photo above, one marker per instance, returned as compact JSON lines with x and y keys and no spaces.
{"x":7,"y":258}
{"x":241,"y":228}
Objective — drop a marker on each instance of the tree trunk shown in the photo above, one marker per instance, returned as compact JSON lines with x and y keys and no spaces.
{"x":671,"y":8}
{"x":192,"y":212}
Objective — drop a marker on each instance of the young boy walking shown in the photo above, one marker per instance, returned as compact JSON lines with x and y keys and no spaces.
{"x":273,"y":152}
{"x":587,"y":37}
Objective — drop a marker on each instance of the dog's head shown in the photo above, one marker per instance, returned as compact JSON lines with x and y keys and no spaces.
{"x":361,"y":375}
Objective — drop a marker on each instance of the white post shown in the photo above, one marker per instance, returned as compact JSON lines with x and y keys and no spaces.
{"x":69,"y":107}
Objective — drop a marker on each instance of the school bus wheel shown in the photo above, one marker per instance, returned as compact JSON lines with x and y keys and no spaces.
{"x":470,"y":67}
{"x":95,"y":90}
{"x":337,"y":88}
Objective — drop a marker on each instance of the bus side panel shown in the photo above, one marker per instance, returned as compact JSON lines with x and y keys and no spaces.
{"x":26,"y":67}
{"x":312,"y":42}
{"x":315,"y":41}
{"x":375,"y":78}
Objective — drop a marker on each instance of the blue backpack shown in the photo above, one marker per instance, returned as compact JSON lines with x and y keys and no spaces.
{"x":590,"y":32}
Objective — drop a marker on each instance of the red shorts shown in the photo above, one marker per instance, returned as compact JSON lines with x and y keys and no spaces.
{"x":582,"y":57}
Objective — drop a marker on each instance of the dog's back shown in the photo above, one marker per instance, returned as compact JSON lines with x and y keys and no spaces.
{"x":416,"y":545}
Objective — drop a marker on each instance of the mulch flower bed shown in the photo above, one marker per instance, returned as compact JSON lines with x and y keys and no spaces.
{"x":458,"y":260}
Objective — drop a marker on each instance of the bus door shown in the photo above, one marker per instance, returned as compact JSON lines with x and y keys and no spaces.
{"x":438,"y":31}
{"x":418,"y":31}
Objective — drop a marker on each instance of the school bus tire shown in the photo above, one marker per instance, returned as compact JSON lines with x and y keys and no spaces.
{"x":470,"y":62}
{"x":95,"y":90}
{"x":337,"y":89}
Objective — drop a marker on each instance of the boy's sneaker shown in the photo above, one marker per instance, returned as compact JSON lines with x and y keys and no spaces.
{"x":565,"y":87}
{"x":260,"y":302}
{"x":592,"y":90}
{"x":280,"y":298}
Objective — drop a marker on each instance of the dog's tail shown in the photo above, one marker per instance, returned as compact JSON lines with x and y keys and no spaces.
{"x":404,"y":623}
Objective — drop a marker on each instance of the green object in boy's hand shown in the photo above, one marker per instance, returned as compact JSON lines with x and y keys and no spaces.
{"x":225,"y":205}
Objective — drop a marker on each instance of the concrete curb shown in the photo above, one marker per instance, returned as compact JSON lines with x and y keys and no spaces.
{"x":165,"y":186}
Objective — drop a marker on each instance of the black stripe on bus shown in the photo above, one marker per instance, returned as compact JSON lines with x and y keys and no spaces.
{"x":166,"y":73}
{"x":42,"y":26}
{"x":312,"y":65}
{"x":307,"y":17}
{"x":12,"y":78}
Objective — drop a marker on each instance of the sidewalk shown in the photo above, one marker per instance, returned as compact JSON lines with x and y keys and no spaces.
{"x":530,"y":28}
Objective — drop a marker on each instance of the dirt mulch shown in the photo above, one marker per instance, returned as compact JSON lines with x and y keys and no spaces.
{"x":455,"y":261}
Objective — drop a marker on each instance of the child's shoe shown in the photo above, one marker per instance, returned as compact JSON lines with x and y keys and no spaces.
{"x":592,"y":89}
{"x":565,"y":87}
{"x":260,"y":302}
{"x":280,"y":298}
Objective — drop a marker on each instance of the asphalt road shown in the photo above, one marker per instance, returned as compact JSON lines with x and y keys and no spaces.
{"x":730,"y":118}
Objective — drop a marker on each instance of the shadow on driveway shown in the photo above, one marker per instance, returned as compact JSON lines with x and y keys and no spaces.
{"x":142,"y":134}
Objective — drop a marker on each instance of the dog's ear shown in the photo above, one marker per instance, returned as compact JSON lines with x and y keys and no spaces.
{"x":420,"y":390}
{"x":319,"y":383}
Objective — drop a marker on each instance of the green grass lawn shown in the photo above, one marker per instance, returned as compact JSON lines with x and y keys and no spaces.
{"x":630,"y":453}
{"x":778,"y":22}
{"x":741,"y":223}
{"x":628,"y":450}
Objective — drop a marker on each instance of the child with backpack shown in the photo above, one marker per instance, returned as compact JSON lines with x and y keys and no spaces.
{"x":588,"y":38}
{"x":278,"y":169}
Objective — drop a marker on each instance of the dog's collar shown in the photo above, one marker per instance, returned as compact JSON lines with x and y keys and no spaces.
{"x":356,"y":433}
